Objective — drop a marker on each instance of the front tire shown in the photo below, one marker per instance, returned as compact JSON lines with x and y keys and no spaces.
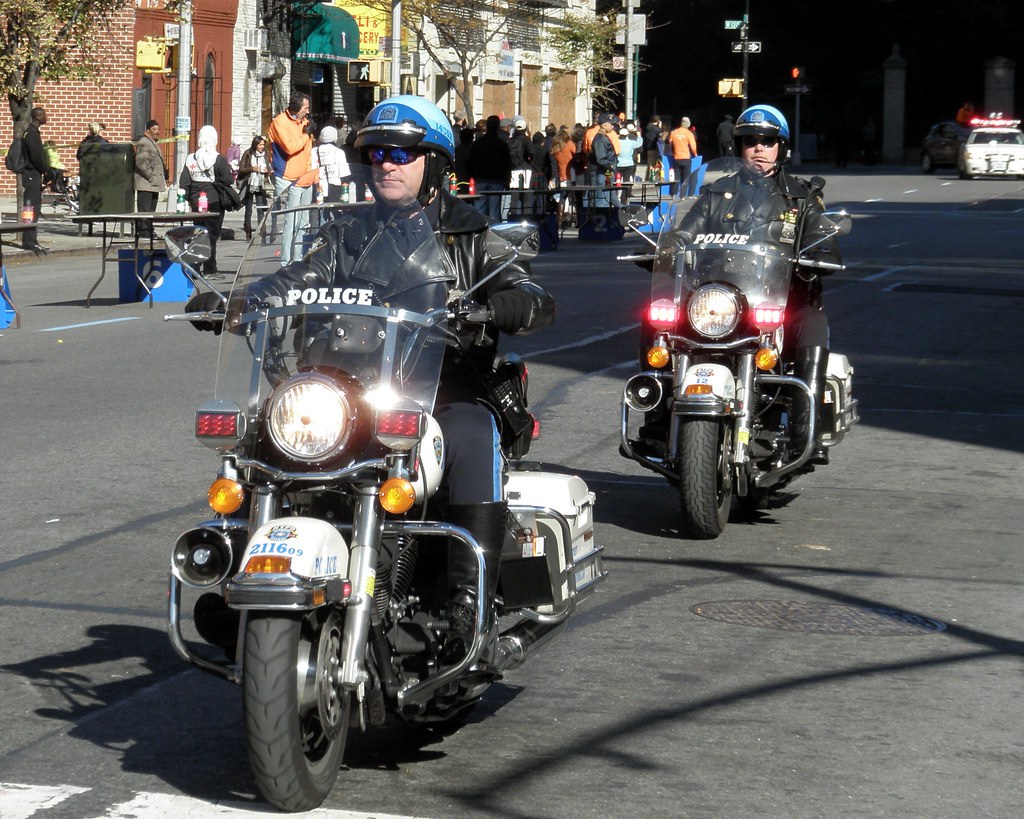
{"x":296,"y":715}
{"x":705,"y":476}
{"x":927,"y":164}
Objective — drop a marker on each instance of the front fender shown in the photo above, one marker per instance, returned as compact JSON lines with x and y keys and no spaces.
{"x":707,"y":389}
{"x":291,"y":563}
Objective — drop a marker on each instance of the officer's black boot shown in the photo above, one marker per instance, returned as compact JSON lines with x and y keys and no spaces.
{"x":810,"y":366}
{"x":487,"y":523}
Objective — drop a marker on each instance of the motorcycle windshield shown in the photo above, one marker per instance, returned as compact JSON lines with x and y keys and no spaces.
{"x":749,"y":256}
{"x":366,"y":300}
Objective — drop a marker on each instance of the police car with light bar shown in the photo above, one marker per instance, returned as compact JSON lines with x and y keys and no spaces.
{"x":995,"y":147}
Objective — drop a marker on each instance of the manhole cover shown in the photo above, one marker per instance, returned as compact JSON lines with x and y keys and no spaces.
{"x":819,"y":618}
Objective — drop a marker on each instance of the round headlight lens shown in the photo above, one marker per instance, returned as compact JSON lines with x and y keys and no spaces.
{"x":713,"y":311}
{"x":309,"y":418}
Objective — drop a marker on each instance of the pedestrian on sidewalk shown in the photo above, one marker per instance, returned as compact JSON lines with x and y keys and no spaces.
{"x":202,"y":169}
{"x":32,"y":179}
{"x":725,"y":136}
{"x":330,"y":159}
{"x":94,"y":137}
{"x":255,"y":180}
{"x":684,"y":149}
{"x":291,"y":141}
{"x":629,"y":143}
{"x":150,"y":176}
{"x":490,"y":167}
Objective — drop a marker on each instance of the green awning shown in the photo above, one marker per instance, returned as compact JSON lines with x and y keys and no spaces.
{"x":324,"y":34}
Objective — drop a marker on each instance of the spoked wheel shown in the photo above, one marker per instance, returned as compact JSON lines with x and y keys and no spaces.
{"x":705,"y":476}
{"x":296,"y":714}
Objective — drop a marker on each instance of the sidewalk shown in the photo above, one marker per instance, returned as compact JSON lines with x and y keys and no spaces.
{"x":66,"y":238}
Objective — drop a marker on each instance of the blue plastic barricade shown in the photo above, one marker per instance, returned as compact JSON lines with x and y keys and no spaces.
{"x":602,"y":225}
{"x":547,"y":224}
{"x":7,"y":314}
{"x":164,"y":278}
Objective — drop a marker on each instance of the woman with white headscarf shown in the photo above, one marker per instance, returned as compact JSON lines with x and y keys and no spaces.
{"x":330,"y":159}
{"x":202,"y":169}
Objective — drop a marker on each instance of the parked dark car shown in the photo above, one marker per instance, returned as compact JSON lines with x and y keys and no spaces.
{"x":942,"y":145}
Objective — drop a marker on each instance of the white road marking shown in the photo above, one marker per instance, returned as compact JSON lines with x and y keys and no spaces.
{"x":86,"y":324}
{"x":882,"y":274}
{"x":27,"y":801}
{"x":583,"y":342}
{"x":23,"y":801}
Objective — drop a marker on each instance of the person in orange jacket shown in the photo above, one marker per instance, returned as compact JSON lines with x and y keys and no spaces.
{"x":684,"y":148}
{"x":291,"y":141}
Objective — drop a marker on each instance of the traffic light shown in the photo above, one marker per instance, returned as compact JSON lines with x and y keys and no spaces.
{"x":358,"y":71}
{"x":797,"y":72}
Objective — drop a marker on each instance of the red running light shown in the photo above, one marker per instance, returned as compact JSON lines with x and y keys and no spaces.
{"x":400,"y":423}
{"x":216,"y":424}
{"x":768,"y":316}
{"x":663,"y":314}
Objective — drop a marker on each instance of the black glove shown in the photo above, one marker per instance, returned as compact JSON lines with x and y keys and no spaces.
{"x":206,"y":303}
{"x":511,"y":309}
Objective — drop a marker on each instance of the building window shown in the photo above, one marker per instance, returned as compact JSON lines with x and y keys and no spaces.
{"x":211,"y":73}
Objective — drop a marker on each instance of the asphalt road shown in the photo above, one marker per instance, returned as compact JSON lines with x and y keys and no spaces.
{"x":855,"y":650}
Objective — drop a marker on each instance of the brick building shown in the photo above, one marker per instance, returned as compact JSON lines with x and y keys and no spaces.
{"x":124,"y":97}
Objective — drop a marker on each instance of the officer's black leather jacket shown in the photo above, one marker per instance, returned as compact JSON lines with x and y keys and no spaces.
{"x":724,"y":206}
{"x":462,"y":231}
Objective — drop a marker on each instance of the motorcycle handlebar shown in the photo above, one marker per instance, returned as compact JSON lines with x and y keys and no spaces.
{"x":476,"y":315}
{"x":206,"y":315}
{"x":821,"y":264}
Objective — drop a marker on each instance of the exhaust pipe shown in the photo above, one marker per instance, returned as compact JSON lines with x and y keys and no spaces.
{"x":520,"y":640}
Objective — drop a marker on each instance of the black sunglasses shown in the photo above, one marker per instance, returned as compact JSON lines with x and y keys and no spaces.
{"x":768,"y":142}
{"x":397,"y":156}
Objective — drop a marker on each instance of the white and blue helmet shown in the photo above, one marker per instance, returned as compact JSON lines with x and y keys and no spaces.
{"x":763,"y":120}
{"x":406,"y":121}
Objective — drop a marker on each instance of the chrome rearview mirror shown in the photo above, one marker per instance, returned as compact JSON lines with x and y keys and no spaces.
{"x":188,"y":244}
{"x":513,"y":237}
{"x":842,"y":221}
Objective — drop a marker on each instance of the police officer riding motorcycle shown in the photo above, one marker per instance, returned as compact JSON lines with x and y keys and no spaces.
{"x":370,"y":437}
{"x":755,"y":231}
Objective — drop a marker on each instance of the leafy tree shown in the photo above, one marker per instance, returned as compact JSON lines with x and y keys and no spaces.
{"x":588,"y":44}
{"x":461,"y":28}
{"x":52,"y":40}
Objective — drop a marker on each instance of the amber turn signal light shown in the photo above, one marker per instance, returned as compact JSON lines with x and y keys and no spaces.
{"x":397,"y":495}
{"x":268,"y":564}
{"x":658,"y":357}
{"x":225,"y":496}
{"x":766,"y":358}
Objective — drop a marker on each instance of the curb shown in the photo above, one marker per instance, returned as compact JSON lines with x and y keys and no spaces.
{"x":17,"y":256}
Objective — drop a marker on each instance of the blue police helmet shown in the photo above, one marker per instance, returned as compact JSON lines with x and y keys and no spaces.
{"x":406,"y":121}
{"x":766,"y":121}
{"x":762,"y":120}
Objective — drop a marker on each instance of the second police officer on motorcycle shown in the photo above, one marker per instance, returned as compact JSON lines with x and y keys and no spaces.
{"x":409,"y":144}
{"x":762,"y":197}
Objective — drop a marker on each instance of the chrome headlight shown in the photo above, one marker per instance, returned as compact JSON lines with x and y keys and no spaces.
{"x":713,"y":311}
{"x":310,"y":418}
